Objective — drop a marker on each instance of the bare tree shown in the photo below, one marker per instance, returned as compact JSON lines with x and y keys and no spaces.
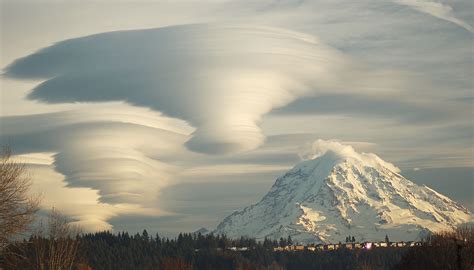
{"x":443,"y":250}
{"x":56,"y":246}
{"x":17,"y":206}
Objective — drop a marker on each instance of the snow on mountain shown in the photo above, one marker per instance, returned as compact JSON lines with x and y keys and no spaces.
{"x":339,"y":192}
{"x":202,"y":231}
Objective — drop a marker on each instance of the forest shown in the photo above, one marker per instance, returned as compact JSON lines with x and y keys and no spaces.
{"x":107,"y":250}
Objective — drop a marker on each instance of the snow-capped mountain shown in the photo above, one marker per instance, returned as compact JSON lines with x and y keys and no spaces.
{"x":340,"y":192}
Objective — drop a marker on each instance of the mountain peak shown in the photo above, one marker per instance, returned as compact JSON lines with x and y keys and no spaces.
{"x":338,"y":192}
{"x":335,"y":152}
{"x":202,"y":231}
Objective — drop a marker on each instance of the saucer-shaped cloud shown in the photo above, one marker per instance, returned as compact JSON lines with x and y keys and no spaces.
{"x":219,"y":78}
{"x":124,"y":160}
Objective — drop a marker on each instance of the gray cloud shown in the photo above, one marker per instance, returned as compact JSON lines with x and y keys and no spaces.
{"x":406,"y":111}
{"x":455,"y":183}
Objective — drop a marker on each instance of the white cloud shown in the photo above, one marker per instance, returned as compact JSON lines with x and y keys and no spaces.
{"x":81,"y":204}
{"x":122,"y":157}
{"x":342,"y":150}
{"x":436,"y":9}
{"x":220,"y":78}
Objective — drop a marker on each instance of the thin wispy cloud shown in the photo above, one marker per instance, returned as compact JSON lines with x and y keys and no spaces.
{"x":437,"y":9}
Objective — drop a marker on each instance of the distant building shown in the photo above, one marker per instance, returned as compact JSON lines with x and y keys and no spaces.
{"x":400,"y":244}
{"x":299,"y":248}
{"x":330,"y":247}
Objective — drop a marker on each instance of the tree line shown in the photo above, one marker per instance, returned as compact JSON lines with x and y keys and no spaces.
{"x":107,"y":250}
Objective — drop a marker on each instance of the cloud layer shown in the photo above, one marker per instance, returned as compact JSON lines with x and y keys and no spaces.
{"x":220,"y":78}
{"x":118,"y":155}
{"x":263,"y":94}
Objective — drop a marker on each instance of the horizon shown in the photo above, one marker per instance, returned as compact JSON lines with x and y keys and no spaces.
{"x":170,"y":116}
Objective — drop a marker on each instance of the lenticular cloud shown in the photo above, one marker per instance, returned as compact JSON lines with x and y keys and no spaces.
{"x":220,"y":79}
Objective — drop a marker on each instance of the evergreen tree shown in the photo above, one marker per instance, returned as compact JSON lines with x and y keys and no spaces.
{"x":267,"y":243}
{"x":282,"y":242}
{"x":106,"y":250}
{"x":145,"y":235}
{"x":289,"y":241}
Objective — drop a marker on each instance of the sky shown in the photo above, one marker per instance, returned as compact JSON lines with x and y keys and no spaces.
{"x":170,"y":115}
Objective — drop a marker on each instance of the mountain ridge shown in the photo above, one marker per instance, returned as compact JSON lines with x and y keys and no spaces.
{"x":339,"y":192}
